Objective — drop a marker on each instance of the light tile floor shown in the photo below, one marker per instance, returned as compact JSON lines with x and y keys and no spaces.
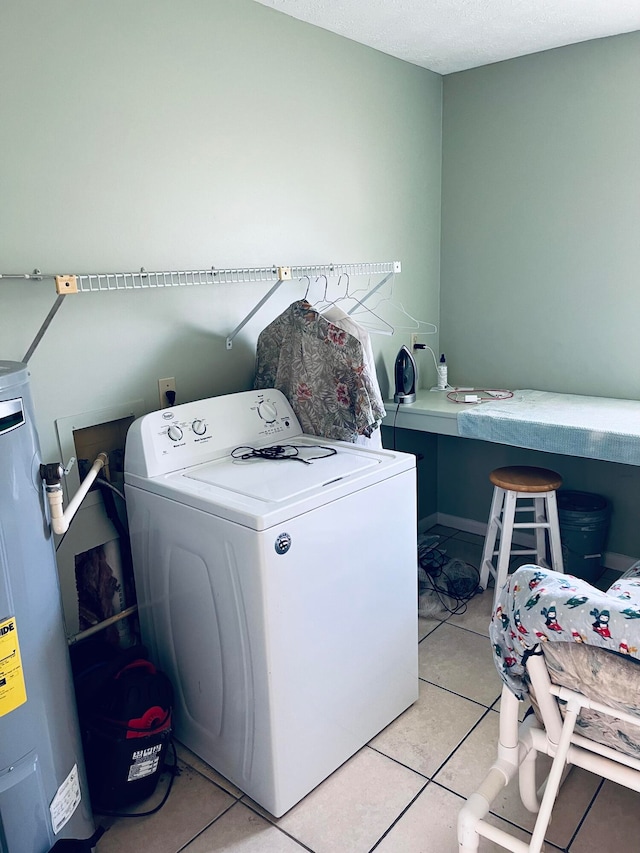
{"x":402,"y":792}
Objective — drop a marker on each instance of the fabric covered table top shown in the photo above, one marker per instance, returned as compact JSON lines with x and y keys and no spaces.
{"x":593,"y":427}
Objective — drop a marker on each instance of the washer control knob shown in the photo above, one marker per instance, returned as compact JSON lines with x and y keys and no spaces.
{"x":267,"y":411}
{"x":174,"y":432}
{"x":199,"y":427}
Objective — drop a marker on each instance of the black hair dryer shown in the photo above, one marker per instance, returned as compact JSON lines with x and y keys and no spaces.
{"x":406,"y":376}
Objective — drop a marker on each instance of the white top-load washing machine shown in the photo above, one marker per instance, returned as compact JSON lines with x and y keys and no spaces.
{"x":279,"y":595}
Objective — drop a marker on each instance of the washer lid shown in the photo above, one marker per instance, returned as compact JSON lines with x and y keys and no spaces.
{"x":276,"y":480}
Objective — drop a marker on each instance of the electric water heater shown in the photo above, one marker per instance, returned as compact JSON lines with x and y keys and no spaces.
{"x":43,"y":790}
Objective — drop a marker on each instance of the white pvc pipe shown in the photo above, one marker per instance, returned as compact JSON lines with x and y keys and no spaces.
{"x":478,"y":804}
{"x":112,"y":620}
{"x":60,"y":520}
{"x":553,"y":780}
{"x":502,"y":838}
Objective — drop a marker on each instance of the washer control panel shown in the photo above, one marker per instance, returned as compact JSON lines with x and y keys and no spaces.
{"x":192,"y":433}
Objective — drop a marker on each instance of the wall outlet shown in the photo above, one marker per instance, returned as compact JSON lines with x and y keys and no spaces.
{"x":165,"y":385}
{"x":414,"y":341}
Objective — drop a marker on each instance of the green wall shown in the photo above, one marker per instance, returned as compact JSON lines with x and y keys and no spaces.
{"x":540,"y":249}
{"x":193,"y":134}
{"x":540,"y":212}
{"x":186,"y":134}
{"x":220,"y":133}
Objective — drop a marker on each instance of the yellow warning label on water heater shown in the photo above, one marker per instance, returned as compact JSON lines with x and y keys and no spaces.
{"x":12,"y":690}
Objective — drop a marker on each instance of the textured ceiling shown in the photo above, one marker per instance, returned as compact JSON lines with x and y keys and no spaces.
{"x":451,"y":35}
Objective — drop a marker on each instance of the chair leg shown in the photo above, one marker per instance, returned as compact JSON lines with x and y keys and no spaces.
{"x":486,"y":563}
{"x":554,"y":779}
{"x":476,"y":809}
{"x":555,"y":544}
{"x":527,"y":774}
{"x":471,"y":824}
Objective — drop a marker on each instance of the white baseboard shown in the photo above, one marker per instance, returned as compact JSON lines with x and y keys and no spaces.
{"x":611,"y":560}
{"x":618,"y":562}
{"x":426,"y":523}
{"x":466,"y":524}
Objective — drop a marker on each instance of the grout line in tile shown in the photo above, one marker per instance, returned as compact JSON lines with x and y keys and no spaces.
{"x":453,"y":625}
{"x":468,"y":734}
{"x":460,"y":695}
{"x":469,"y":630}
{"x":586,"y":812}
{"x":402,"y":813}
{"x":429,"y":633}
{"x":204,"y":776}
{"x":462,"y":533}
{"x":397,"y":761}
{"x":272,"y":820}
{"x":204,"y":829}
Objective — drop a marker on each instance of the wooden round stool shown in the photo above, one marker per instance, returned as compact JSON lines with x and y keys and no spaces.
{"x":538,"y":486}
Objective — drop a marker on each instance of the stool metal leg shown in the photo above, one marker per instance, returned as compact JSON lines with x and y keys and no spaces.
{"x":486,"y":565}
{"x":504,"y":550}
{"x":555,"y":544}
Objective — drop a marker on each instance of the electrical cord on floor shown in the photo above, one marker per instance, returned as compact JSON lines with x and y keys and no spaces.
{"x":173,"y":771}
{"x":431,"y":559}
{"x":440,"y":581}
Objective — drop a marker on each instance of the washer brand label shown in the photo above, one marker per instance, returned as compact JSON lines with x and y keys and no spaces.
{"x":144,"y":762}
{"x":282,"y":543}
{"x":13,"y":692}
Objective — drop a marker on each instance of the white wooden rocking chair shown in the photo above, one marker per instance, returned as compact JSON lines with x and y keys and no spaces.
{"x":573,"y":650}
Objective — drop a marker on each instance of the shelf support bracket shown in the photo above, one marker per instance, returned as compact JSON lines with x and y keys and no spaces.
{"x":43,"y":328}
{"x":284,"y":274}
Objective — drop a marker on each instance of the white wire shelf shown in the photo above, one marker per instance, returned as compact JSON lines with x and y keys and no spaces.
{"x":145,"y":280}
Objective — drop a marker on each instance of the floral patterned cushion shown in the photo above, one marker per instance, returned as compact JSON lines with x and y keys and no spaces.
{"x":611,"y":679}
{"x":590,"y":640}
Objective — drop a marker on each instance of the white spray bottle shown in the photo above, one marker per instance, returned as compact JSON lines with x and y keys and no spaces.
{"x":443,"y":384}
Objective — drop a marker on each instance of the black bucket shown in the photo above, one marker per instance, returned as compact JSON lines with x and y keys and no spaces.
{"x":584,"y":525}
{"x":124,"y":705}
